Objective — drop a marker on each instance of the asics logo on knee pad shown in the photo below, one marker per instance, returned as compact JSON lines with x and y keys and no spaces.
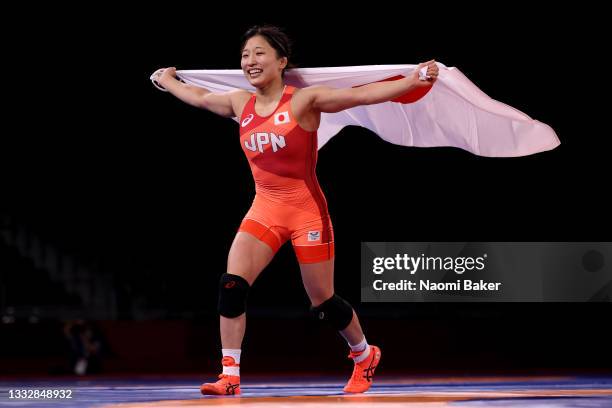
{"x":335,"y":311}
{"x":233,"y":292}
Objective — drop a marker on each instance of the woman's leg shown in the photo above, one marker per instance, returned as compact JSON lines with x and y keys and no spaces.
{"x":247,"y":257}
{"x":318,"y":279}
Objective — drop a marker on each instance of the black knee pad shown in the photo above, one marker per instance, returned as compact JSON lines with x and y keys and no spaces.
{"x":335,"y":311}
{"x":233,"y":291}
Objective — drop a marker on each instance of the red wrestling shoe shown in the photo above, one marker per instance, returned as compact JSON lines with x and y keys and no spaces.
{"x":227,"y":384}
{"x":361,"y":380}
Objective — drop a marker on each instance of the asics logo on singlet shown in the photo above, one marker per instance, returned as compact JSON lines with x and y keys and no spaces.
{"x":260,"y":139}
{"x":247,"y":120}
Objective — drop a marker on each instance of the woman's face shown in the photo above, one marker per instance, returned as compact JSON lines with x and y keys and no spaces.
{"x":260,"y":62}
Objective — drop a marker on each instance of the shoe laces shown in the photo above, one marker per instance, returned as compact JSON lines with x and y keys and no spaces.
{"x":354,"y":354}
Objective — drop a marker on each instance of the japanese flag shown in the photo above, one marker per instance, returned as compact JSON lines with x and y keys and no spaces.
{"x":453,"y":112}
{"x":281,"y":118}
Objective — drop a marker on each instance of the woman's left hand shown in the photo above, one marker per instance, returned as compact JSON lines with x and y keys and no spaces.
{"x":432,"y":72}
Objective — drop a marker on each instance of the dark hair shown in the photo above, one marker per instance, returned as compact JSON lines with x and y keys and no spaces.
{"x":277,"y":39}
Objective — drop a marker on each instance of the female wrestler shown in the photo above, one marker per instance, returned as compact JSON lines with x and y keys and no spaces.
{"x":278,"y":134}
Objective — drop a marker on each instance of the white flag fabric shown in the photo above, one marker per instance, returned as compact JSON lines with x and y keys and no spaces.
{"x":454,"y":112}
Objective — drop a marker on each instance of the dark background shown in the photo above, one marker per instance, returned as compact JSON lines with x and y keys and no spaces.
{"x":119,"y":203}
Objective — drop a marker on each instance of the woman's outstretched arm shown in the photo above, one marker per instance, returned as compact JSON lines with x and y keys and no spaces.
{"x":325,"y":99}
{"x":223,"y":104}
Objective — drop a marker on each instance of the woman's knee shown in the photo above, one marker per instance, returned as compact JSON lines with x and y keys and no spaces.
{"x":335,"y":311}
{"x":233,"y":293}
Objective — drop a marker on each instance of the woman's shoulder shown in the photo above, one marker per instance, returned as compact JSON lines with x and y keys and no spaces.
{"x":312,"y":89}
{"x":239,"y":98}
{"x":306,"y":94}
{"x":304,"y":91}
{"x":240,"y":93}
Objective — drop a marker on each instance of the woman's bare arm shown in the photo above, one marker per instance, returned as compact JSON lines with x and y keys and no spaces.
{"x":222,"y":104}
{"x":330,"y":100}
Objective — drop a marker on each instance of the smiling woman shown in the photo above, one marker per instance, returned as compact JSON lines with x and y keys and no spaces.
{"x":278,"y":134}
{"x":269,"y":44}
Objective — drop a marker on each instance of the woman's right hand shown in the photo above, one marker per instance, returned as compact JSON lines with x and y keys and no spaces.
{"x":163,"y":74}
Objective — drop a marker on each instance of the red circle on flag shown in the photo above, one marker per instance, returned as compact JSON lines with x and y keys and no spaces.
{"x":281,"y":118}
